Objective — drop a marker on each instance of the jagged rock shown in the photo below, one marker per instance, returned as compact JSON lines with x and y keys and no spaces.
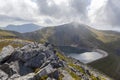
{"x":7,"y":69}
{"x":87,"y":72}
{"x":26,"y":77}
{"x":50,"y":78}
{"x":14,"y":76}
{"x":55,"y":74}
{"x":57,"y":64}
{"x":3,"y":75}
{"x":48,"y":53}
{"x":46,"y":44}
{"x":45,"y":71}
{"x":6,"y":52}
{"x":66,"y":75}
{"x":23,"y":70}
{"x":24,"y":56}
{"x":36,"y":61}
{"x":15,"y":68}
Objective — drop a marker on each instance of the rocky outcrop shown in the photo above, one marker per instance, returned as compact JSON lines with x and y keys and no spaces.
{"x":40,"y":62}
{"x":6,"y":52}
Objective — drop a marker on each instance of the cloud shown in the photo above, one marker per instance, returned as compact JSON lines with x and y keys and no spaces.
{"x":17,"y":11}
{"x":5,"y":18}
{"x":62,"y":11}
{"x":101,"y":14}
{"x":106,"y":15}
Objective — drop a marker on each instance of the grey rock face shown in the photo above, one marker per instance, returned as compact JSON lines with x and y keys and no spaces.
{"x":8,"y":69}
{"x":3,"y":75}
{"x":46,"y":70}
{"x":36,"y":61}
{"x":26,"y":77}
{"x":6,"y":52}
{"x":17,"y":64}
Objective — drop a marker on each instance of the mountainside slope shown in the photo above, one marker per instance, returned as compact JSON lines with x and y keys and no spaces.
{"x":68,"y":34}
{"x":42,"y":62}
{"x":9,"y":34}
{"x":81,"y":36}
{"x":11,"y":38}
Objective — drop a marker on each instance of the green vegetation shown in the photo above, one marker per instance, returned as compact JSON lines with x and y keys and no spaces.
{"x":105,"y":36}
{"x":93,"y":77}
{"x":77,"y":67}
{"x":61,"y":76}
{"x":44,"y":77}
{"x":6,"y":33}
{"x":76,"y":77}
{"x":13,"y":42}
{"x":36,"y":70}
{"x":62,"y":57}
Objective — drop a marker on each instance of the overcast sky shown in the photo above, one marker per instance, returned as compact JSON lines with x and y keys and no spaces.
{"x":102,"y":14}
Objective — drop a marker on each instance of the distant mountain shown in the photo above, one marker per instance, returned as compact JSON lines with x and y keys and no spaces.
{"x":23,"y":28}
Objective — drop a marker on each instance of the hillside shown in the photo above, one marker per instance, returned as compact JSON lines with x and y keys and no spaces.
{"x":81,"y":37}
{"x":43,"y":62}
{"x":11,"y":38}
{"x":77,"y":38}
{"x":9,"y":34}
{"x":68,"y":34}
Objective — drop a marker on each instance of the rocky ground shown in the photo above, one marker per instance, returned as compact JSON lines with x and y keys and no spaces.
{"x":42,"y":62}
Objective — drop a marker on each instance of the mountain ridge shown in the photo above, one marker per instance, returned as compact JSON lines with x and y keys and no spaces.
{"x":23,"y":28}
{"x":41,"y":62}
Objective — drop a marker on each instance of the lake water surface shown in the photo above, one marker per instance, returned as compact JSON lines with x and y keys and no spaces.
{"x":87,"y":57}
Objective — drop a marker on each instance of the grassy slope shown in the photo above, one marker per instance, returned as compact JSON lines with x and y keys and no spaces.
{"x":64,"y":35}
{"x":14,"y":42}
{"x":106,"y":36}
{"x":11,"y":38}
{"x":111,"y":64}
{"x":9,"y":34}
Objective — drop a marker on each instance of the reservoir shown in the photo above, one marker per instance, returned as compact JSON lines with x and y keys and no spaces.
{"x":87,"y":57}
{"x":82,"y":54}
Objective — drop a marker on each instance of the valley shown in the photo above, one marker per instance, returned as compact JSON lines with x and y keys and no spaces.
{"x":77,"y":38}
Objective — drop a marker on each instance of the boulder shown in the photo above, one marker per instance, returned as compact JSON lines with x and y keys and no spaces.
{"x":45,"y":71}
{"x":14,"y":77}
{"x":55,"y":75}
{"x":56,"y":64}
{"x":3,"y":75}
{"x":5,"y":53}
{"x":24,"y":70}
{"x":8,"y":69}
{"x":26,"y":55}
{"x":36,"y":61}
{"x":26,"y":77}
